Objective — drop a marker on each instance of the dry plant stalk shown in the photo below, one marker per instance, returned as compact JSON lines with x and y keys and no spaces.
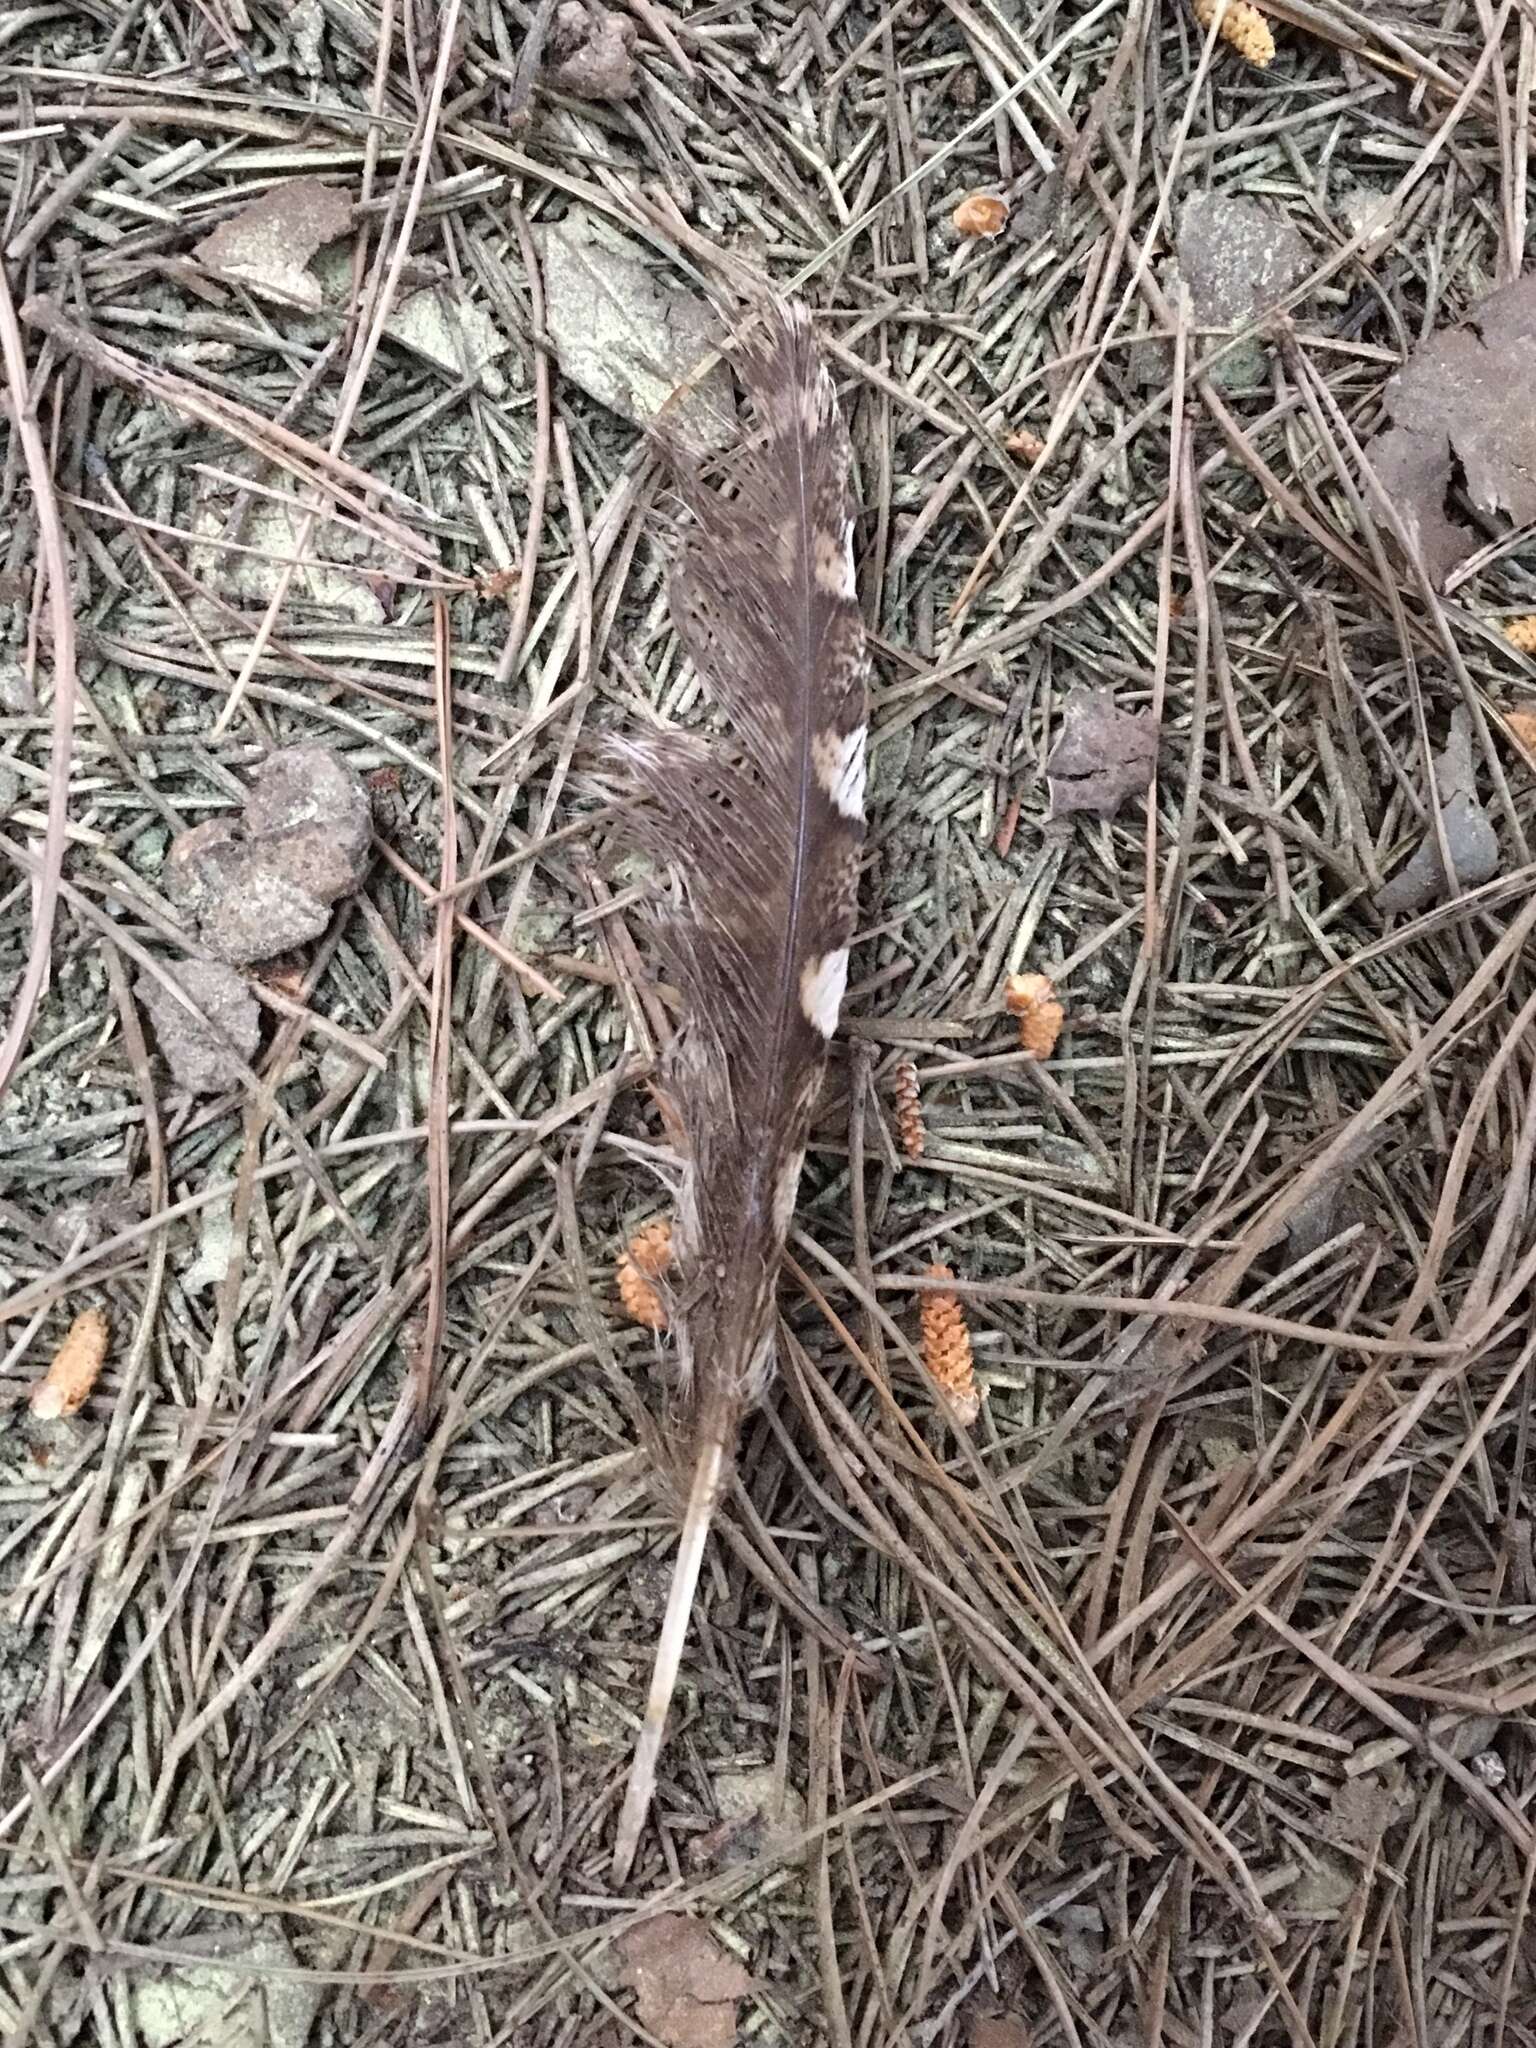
{"x":1032,"y":999}
{"x":66,"y":1386}
{"x":947,"y":1348}
{"x":980,"y":216}
{"x":647,"y":1259}
{"x":1521,"y":634}
{"x":909,"y":1111}
{"x":1242,"y":26}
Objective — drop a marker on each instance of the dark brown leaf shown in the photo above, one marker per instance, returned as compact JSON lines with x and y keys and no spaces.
{"x":1104,"y":755}
{"x":686,"y":1985}
{"x":1464,"y":399}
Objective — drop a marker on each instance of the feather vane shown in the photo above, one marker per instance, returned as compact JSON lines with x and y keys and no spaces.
{"x":761,"y":829}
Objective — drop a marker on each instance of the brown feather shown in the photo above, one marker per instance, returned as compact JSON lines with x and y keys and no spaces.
{"x":760,"y":830}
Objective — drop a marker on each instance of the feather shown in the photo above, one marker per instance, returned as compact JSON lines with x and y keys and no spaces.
{"x":760,"y":829}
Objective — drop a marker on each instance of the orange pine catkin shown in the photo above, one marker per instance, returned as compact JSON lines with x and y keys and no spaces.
{"x":1242,"y":26}
{"x":909,"y":1111}
{"x":947,"y":1348}
{"x":1521,"y":634}
{"x":1032,"y":999}
{"x":66,"y":1386}
{"x":648,"y":1257}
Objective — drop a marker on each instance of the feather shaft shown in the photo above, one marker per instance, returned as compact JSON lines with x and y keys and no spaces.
{"x":708,"y":1472}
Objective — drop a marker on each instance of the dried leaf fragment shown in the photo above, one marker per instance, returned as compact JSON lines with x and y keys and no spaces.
{"x":1104,"y":755}
{"x":249,"y":1994}
{"x":1462,"y":398}
{"x":686,"y":1985}
{"x":66,"y":1386}
{"x":1523,"y":725}
{"x":1469,"y":835}
{"x":1521,"y":634}
{"x":980,"y":216}
{"x":1032,"y":999}
{"x":1242,"y":26}
{"x":647,"y":1259}
{"x":630,"y":336}
{"x":269,"y":242}
{"x":947,"y":1348}
{"x":1363,"y":1808}
{"x":909,"y":1111}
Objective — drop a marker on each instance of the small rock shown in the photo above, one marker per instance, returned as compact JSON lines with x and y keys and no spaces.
{"x":198,"y":862}
{"x":1238,"y":258}
{"x":593,"y":53}
{"x":1104,"y":756}
{"x":308,"y":807}
{"x":262,"y":886}
{"x":195,"y":1048}
{"x":1488,"y":1766}
{"x":243,"y":909}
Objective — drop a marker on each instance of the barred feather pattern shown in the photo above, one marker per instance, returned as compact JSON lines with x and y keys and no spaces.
{"x":760,"y":827}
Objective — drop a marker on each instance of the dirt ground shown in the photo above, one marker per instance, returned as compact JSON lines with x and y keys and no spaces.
{"x":1183,"y":1699}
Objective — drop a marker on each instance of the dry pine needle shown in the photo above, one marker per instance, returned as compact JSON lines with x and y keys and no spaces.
{"x":1242,"y":26}
{"x":947,"y":1348}
{"x":647,"y":1259}
{"x":1032,"y":999}
{"x":66,"y":1386}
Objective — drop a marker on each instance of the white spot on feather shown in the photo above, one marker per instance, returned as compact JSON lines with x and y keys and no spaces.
{"x":822,"y":982}
{"x":834,"y":564}
{"x":839,"y":763}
